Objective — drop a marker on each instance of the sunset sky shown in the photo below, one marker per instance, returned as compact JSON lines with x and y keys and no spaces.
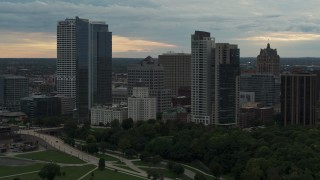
{"x":152,"y":27}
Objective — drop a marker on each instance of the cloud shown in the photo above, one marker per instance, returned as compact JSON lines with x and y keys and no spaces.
{"x":39,"y":44}
{"x":284,"y":36}
{"x":170,"y":21}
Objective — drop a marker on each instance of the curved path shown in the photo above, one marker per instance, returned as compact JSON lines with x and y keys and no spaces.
{"x":66,"y":148}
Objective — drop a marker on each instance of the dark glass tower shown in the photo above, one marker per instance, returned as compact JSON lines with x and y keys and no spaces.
{"x":91,"y":54}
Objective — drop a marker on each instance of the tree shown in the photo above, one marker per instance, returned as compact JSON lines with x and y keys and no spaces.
{"x":175,"y":167}
{"x":127,"y":123}
{"x":178,"y":169}
{"x":69,"y":141}
{"x":50,"y":171}
{"x":102,"y":164}
{"x":103,"y":146}
{"x":70,"y":128}
{"x":91,"y":139}
{"x":156,"y":159}
{"x":115,"y":123}
{"x":200,"y":176}
{"x":216,"y":169}
{"x":124,"y":144}
{"x":91,"y":148}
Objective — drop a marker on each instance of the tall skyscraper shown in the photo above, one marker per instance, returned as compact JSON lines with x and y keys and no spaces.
{"x":177,"y":70}
{"x":215,"y":73}
{"x":84,"y":63}
{"x":12,"y":89}
{"x":268,"y":62}
{"x":202,"y":57}
{"x":298,"y":99}
{"x":226,"y":80}
{"x":151,"y":73}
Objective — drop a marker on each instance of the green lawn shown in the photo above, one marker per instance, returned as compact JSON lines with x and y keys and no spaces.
{"x":10,"y":170}
{"x":72,"y":172}
{"x":106,"y":157}
{"x":98,"y":130}
{"x":51,"y":155}
{"x":108,"y":174}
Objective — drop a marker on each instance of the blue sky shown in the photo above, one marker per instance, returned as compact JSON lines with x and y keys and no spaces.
{"x":152,"y":27}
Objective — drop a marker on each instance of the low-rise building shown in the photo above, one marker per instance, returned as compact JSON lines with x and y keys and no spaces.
{"x":141,"y":106}
{"x":103,"y":115}
{"x":38,"y":106}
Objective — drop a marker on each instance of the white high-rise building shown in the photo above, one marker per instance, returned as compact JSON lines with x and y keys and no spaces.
{"x":202,"y":49}
{"x":66,"y":58}
{"x":141,"y":106}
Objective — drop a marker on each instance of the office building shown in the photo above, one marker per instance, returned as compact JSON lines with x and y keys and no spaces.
{"x":142,"y":107}
{"x":38,"y":106}
{"x":84,"y":63}
{"x":268,"y":62}
{"x":103,"y":115}
{"x":151,"y":73}
{"x":177,"y":70}
{"x":298,"y":99}
{"x":226,"y":81}
{"x":266,"y":88}
{"x":12,"y":89}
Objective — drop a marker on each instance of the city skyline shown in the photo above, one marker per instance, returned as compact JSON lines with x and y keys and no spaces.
{"x":148,"y":27}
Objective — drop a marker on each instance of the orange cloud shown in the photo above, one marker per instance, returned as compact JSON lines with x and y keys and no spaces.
{"x":28,"y":45}
{"x":284,"y":36}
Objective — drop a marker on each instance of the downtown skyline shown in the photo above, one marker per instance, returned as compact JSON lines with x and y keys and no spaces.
{"x":148,"y":27}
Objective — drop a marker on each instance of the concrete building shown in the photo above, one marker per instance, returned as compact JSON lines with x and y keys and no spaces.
{"x":38,"y":106}
{"x":84,"y":63}
{"x":12,"y":89}
{"x":246,"y":97}
{"x":66,"y":104}
{"x":177,"y":70}
{"x":103,"y":115}
{"x":175,"y":114}
{"x":202,"y":55}
{"x":265,"y":87}
{"x":120,"y":95}
{"x":268,"y":62}
{"x":254,"y":114}
{"x":298,"y":99}
{"x":151,"y":73}
{"x":141,"y":106}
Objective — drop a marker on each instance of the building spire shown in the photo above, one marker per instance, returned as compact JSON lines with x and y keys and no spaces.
{"x":268,"y":46}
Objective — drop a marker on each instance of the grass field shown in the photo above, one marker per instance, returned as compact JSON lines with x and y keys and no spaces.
{"x":108,"y":174}
{"x":10,"y":170}
{"x":51,"y":155}
{"x":72,"y":172}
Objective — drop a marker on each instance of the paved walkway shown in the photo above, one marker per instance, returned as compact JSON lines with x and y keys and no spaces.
{"x":60,"y":145}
